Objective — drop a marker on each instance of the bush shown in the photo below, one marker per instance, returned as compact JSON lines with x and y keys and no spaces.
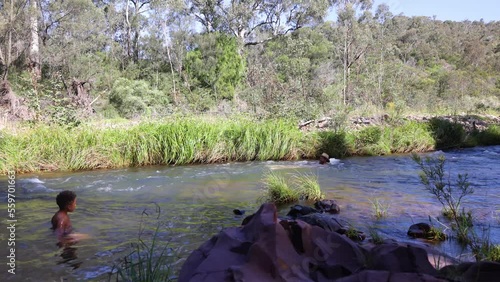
{"x":491,"y":136}
{"x":134,"y":98}
{"x":449,"y":194}
{"x":447,"y":134}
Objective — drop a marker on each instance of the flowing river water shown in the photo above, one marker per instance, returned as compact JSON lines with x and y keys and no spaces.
{"x":192,"y":203}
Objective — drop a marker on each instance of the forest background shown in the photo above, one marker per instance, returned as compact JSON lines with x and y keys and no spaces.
{"x":66,"y":61}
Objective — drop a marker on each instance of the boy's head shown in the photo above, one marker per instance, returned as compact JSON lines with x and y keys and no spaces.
{"x":66,"y":200}
{"x":324,"y":158}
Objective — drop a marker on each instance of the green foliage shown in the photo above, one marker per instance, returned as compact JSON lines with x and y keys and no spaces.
{"x":449,"y":194}
{"x":490,"y":136}
{"x":303,"y":186}
{"x":176,"y":141}
{"x":150,"y":259}
{"x":134,"y":98}
{"x":447,"y":134}
{"x":277,"y":190}
{"x":379,"y":208}
{"x":436,"y":234}
{"x":216,"y":64}
{"x":308,"y":187}
{"x":334,"y":144}
{"x":375,"y":236}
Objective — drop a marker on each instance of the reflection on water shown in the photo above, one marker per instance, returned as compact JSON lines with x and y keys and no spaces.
{"x":197,"y":201}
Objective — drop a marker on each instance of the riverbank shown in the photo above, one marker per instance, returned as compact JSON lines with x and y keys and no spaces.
{"x":194,"y":140}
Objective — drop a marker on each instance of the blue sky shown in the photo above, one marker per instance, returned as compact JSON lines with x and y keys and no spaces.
{"x":455,"y":10}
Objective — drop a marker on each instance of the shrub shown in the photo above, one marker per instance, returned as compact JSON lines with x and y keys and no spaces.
{"x":450,"y":195}
{"x":491,"y":136}
{"x":133,"y":98}
{"x":447,"y":134}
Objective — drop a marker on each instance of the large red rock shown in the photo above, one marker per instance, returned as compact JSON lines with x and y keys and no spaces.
{"x":262,"y":250}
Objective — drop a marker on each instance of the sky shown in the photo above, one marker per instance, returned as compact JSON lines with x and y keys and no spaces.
{"x":455,"y":10}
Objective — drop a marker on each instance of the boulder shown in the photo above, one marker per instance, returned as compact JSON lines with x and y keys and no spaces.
{"x":419,"y":230}
{"x":328,"y":206}
{"x":397,"y":258}
{"x":266,"y":249}
{"x":484,"y":271}
{"x":325,"y":221}
{"x":387,"y":276}
{"x":299,"y":210}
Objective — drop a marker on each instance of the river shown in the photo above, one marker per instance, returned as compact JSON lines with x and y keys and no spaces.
{"x":192,"y":203}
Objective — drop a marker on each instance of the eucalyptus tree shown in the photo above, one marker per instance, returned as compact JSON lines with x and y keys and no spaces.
{"x":257,"y":21}
{"x":14,"y":34}
{"x":73,"y":39}
{"x":352,"y":17}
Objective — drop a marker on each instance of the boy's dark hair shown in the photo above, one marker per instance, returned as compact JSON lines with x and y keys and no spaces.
{"x":64,"y":198}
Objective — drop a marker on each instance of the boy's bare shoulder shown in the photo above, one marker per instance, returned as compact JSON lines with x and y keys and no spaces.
{"x":60,"y":220}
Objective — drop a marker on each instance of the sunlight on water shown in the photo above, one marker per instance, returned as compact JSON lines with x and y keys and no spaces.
{"x":195,"y":202}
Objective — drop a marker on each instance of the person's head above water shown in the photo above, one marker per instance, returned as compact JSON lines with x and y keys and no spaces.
{"x":324,"y":158}
{"x":66,"y":200}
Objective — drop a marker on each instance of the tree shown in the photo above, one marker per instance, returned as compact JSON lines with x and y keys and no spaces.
{"x":257,"y":21}
{"x":13,"y":34}
{"x":216,"y":64}
{"x":353,"y":28}
{"x":34,"y":49}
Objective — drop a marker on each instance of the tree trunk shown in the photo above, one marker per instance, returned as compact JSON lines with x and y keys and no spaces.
{"x":34,"y":51}
{"x":127,"y":23}
{"x":346,"y":57}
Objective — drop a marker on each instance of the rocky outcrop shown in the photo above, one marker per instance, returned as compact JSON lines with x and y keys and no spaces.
{"x":270,"y":249}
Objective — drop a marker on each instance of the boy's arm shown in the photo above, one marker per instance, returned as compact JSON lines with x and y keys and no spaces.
{"x":63,"y":226}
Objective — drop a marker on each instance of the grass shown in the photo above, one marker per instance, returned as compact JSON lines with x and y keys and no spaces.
{"x":178,"y":141}
{"x":149,"y":260}
{"x":308,"y":187}
{"x":277,"y":190}
{"x":436,"y":234}
{"x":379,"y":208}
{"x":375,"y":236}
{"x":182,"y":140}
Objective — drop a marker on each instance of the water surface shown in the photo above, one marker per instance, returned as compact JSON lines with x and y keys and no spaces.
{"x":193,"y":203}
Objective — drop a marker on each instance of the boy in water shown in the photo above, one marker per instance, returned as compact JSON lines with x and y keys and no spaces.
{"x":61,"y":224}
{"x":324,"y":158}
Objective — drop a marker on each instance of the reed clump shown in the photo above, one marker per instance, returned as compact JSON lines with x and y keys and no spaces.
{"x":302,"y":186}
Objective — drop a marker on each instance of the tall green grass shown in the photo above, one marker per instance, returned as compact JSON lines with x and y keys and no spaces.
{"x":302,"y":186}
{"x":307,"y":186}
{"x":277,"y":190}
{"x":195,"y":140}
{"x":179,"y":141}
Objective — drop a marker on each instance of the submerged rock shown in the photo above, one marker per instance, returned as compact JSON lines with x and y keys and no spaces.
{"x":299,"y":210}
{"x":419,"y":230}
{"x":238,"y":212}
{"x":328,"y":206}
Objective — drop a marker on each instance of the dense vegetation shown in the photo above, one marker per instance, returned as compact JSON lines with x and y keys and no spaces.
{"x":198,"y":140}
{"x":66,"y":61}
